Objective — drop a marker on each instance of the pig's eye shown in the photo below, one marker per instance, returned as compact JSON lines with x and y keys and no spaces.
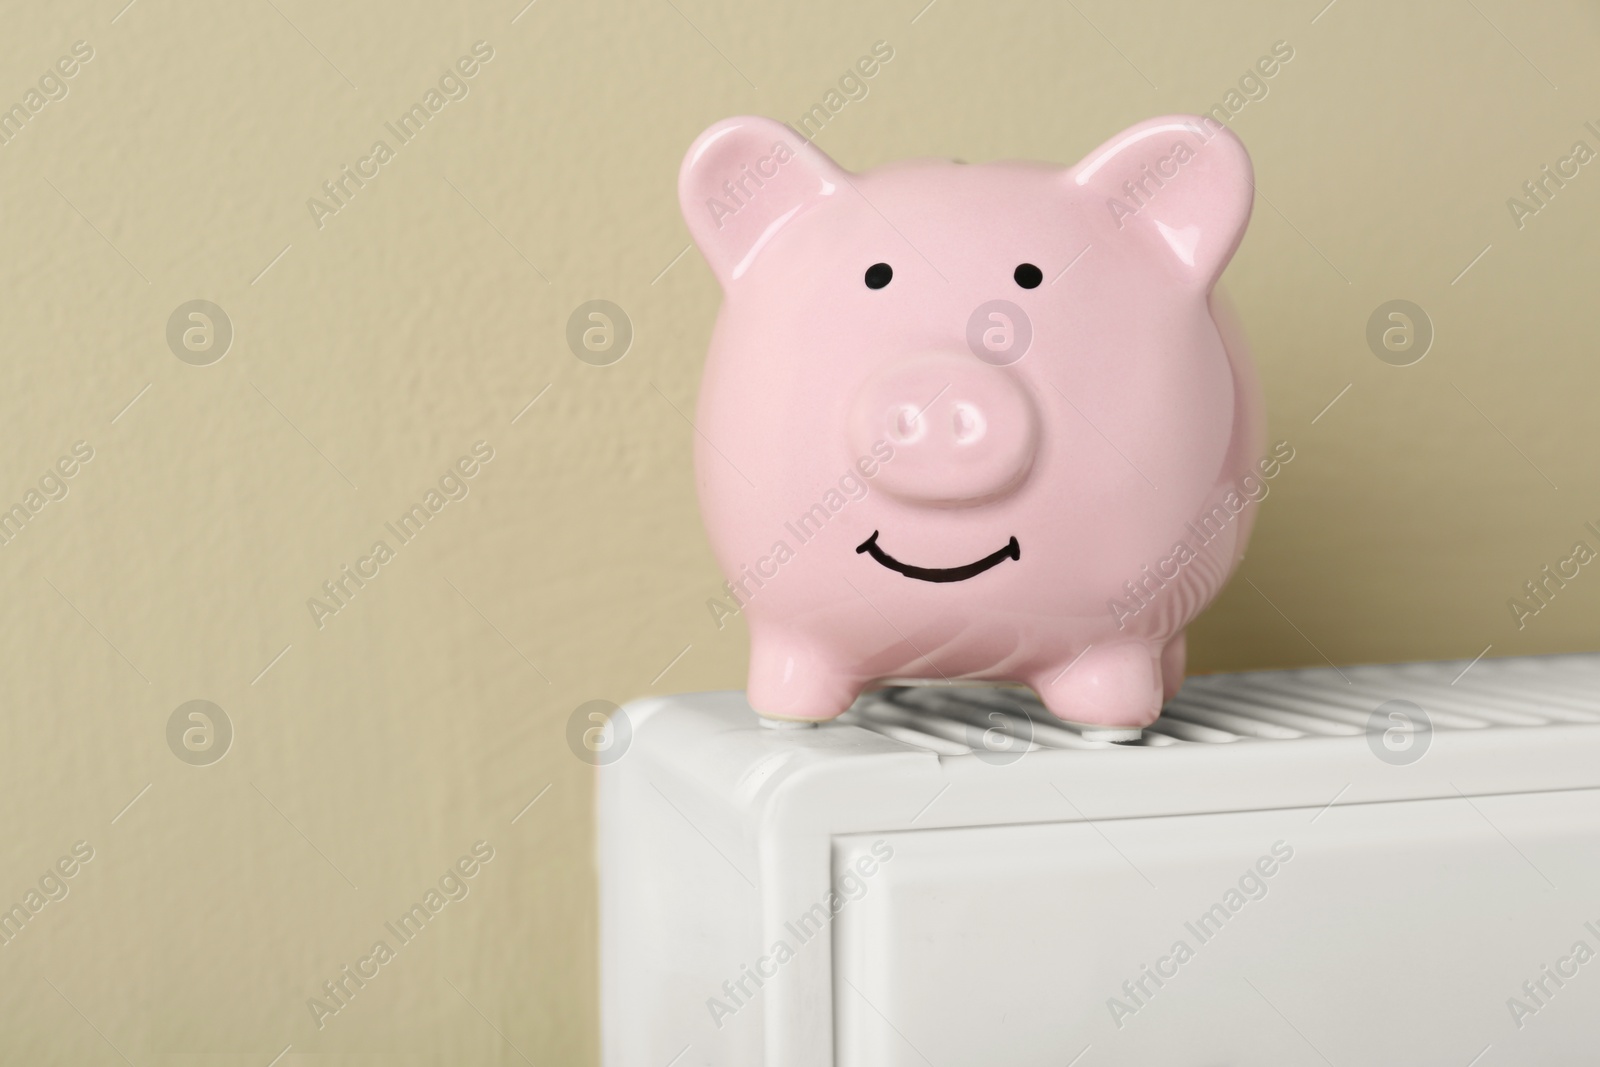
{"x":1028,"y":276}
{"x":878,"y":275}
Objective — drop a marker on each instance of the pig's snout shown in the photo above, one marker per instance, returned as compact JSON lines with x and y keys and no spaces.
{"x":962,"y":431}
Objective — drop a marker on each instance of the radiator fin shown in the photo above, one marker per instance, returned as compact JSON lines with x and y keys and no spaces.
{"x":952,"y":720}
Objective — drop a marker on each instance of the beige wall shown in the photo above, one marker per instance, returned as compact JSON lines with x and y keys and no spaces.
{"x":425,"y":314}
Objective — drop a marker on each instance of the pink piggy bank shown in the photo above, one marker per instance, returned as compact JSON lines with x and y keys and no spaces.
{"x":974,"y":422}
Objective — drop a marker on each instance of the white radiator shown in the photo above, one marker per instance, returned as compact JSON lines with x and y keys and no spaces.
{"x":1272,"y":875}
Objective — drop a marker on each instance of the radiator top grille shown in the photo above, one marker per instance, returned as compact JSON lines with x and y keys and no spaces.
{"x":951,"y":720}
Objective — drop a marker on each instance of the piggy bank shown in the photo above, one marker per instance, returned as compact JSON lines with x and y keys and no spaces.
{"x":973,"y":422}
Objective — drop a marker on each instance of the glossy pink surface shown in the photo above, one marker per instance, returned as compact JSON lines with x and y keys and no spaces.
{"x":912,"y":481}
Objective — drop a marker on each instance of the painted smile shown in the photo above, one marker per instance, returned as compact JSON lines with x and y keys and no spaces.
{"x":940,"y":574}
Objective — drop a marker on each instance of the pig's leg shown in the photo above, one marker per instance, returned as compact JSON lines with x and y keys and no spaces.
{"x":1109,"y":685}
{"x":790,"y":680}
{"x":1173,"y":658}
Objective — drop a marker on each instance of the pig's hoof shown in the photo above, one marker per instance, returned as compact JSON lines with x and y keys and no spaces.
{"x":785,"y":724}
{"x":789,"y":686}
{"x":801,"y":712}
{"x":1113,"y":686}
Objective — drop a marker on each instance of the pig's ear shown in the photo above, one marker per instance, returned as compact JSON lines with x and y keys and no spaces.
{"x":742,"y":181}
{"x":1182,"y":183}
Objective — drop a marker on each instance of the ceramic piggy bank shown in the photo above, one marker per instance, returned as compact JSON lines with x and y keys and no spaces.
{"x":974,"y":422}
